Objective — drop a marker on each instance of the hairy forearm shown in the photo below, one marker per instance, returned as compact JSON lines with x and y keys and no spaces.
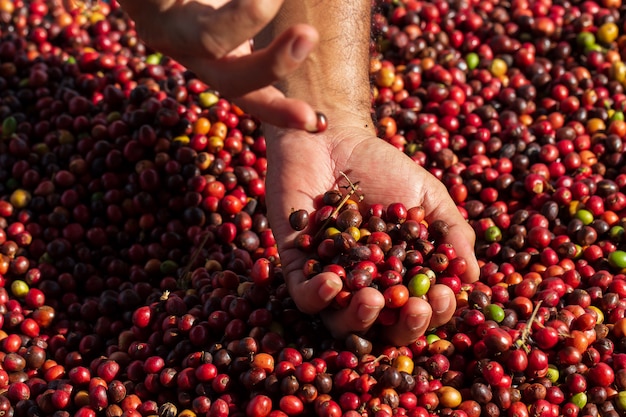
{"x":334,"y":79}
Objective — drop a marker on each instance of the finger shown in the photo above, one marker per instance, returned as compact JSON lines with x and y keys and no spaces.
{"x":248,"y":79}
{"x":414,"y":320}
{"x":443,"y":304}
{"x":462,"y":237}
{"x":272,"y":107}
{"x":438,"y":205}
{"x":419,"y":315}
{"x":358,"y":317}
{"x":193,"y":28}
{"x":313,"y":295}
{"x":242,"y":72}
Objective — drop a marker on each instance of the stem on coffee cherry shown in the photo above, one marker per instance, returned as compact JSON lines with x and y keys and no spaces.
{"x":353,"y":187}
{"x":523,"y":340}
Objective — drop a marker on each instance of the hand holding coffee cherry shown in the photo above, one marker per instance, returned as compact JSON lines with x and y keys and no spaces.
{"x":213,"y":39}
{"x":303,"y":166}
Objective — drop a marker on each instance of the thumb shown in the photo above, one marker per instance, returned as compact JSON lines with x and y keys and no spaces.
{"x":439,"y":205}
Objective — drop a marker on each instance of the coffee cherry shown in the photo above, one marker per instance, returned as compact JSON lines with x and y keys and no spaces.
{"x":322,"y":122}
{"x":299,"y":219}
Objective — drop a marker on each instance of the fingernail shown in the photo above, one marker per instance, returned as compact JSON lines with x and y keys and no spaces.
{"x":442,"y":305}
{"x":328,"y":290}
{"x":415,"y":321}
{"x":300,"y":48}
{"x":368,"y":313}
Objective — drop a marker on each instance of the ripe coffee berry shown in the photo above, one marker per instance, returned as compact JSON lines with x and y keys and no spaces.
{"x":321,"y":123}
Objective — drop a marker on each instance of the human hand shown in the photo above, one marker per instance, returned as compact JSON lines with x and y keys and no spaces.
{"x":302,"y":166}
{"x":212,"y":38}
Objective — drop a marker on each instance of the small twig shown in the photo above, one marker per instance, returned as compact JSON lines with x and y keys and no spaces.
{"x":380,"y":358}
{"x":353,"y":186}
{"x":352,"y":189}
{"x":526,"y":332}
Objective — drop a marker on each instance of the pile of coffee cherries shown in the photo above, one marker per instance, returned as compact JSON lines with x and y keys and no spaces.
{"x":390,"y":248}
{"x":139,"y":275}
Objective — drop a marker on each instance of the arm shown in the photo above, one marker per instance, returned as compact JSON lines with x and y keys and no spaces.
{"x":334,"y":79}
{"x":301,"y":166}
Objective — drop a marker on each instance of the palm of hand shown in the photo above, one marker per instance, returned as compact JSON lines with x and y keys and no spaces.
{"x":302,"y":166}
